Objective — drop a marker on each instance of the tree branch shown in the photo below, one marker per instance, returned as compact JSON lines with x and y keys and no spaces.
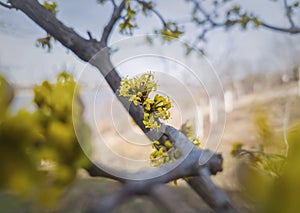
{"x":8,"y":6}
{"x":113,"y":20}
{"x":166,"y":198}
{"x":292,"y":30}
{"x":83,"y":48}
{"x":199,"y":7}
{"x":144,"y":4}
{"x":213,"y":24}
{"x":86,"y":50}
{"x":108,"y":203}
{"x":288,"y":14}
{"x":210,"y":193}
{"x":188,"y":166}
{"x":161,"y":194}
{"x":114,"y":4}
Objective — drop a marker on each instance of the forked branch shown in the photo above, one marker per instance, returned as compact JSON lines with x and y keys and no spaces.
{"x":113,"y":20}
{"x":8,"y":6}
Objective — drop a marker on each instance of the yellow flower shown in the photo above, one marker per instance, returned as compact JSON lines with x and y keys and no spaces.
{"x":168,"y":144}
{"x":137,"y":90}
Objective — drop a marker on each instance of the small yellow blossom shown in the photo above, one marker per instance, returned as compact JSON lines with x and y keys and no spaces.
{"x":137,"y":90}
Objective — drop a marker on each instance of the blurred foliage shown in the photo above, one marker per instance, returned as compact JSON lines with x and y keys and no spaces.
{"x":6,"y":94}
{"x":45,"y":42}
{"x":189,"y":132}
{"x":270,"y":180}
{"x":128,"y":21}
{"x":262,"y":125}
{"x":236,"y":15}
{"x":268,"y":163}
{"x":40,"y":153}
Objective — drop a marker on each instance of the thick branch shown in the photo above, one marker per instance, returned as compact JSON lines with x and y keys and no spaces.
{"x":108,"y":203}
{"x":84,"y":49}
{"x":188,"y":167}
{"x":210,"y":193}
{"x":166,"y":198}
{"x":163,"y":195}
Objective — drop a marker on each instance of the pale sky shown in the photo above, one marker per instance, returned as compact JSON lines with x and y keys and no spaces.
{"x":241,"y":52}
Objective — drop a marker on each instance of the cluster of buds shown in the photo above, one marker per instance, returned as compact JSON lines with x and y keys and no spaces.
{"x":163,"y":153}
{"x":138,"y":90}
{"x":157,"y":108}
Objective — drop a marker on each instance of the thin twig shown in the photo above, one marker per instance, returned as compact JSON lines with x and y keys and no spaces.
{"x":212,"y":24}
{"x":208,"y":19}
{"x":90,"y":35}
{"x":288,"y":14}
{"x":116,"y":15}
{"x":199,"y":7}
{"x":292,"y":30}
{"x":144,"y":4}
{"x":7,"y":5}
{"x":114,"y":4}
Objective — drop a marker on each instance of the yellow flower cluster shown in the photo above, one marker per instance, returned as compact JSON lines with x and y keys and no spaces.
{"x":166,"y":152}
{"x":155,"y":109}
{"x":137,"y":90}
{"x":163,"y":153}
{"x":51,"y":6}
{"x":40,"y":152}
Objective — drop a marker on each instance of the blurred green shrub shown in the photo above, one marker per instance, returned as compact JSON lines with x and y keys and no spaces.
{"x":39,"y":150}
